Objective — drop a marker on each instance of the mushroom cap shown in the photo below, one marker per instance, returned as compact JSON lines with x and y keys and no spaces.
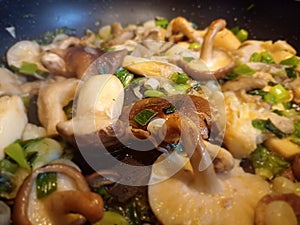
{"x":177,"y":201}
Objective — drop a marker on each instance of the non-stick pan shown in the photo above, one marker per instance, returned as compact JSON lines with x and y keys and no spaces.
{"x":263,"y":19}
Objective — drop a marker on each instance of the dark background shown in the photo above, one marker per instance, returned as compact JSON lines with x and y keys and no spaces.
{"x":264,"y":20}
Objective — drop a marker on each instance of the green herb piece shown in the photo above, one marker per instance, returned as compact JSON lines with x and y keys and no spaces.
{"x":179,"y":78}
{"x":188,"y":59}
{"x":124,"y":76}
{"x":144,"y":116}
{"x":259,"y":124}
{"x":266,"y":163}
{"x":161,"y":22}
{"x":46,"y":183}
{"x":16,"y":152}
{"x":267,"y":125}
{"x":112,"y":218}
{"x":243,"y":69}
{"x":8,"y":166}
{"x":297,"y":128}
{"x":291,"y":72}
{"x":153,"y":93}
{"x":264,"y":57}
{"x":241,"y":34}
{"x":292,"y":61}
{"x":28,"y":68}
{"x":277,"y":94}
{"x":257,"y":92}
{"x":286,"y":112}
{"x":169,"y":110}
{"x":194,"y":45}
{"x":181,"y":88}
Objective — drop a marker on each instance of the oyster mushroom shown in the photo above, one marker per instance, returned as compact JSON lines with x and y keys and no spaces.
{"x":213,"y":62}
{"x":71,"y":203}
{"x":53,"y":96}
{"x":198,"y":195}
{"x":278,"y":209}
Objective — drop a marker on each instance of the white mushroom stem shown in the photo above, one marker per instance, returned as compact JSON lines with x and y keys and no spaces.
{"x":207,"y":46}
{"x":204,"y":177}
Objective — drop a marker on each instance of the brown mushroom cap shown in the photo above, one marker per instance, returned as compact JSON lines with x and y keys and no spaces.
{"x":60,"y":203}
{"x":190,"y":105}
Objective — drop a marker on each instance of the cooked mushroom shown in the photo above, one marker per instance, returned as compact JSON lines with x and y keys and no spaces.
{"x":97,"y":107}
{"x":246,"y":83}
{"x":198,"y":194}
{"x":53,"y":96}
{"x":64,"y":62}
{"x":71,"y":203}
{"x":13,"y":120}
{"x":214,"y":62}
{"x":277,"y":209}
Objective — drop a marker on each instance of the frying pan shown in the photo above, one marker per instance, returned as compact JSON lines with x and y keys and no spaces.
{"x":264,"y":20}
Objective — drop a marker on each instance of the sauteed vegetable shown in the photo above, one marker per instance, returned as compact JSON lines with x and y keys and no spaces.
{"x":156,"y":123}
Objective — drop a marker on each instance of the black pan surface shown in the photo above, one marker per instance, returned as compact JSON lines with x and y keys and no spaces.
{"x":265,"y":20}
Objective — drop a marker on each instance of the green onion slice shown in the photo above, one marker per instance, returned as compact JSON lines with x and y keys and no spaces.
{"x":144,"y":116}
{"x":46,"y":183}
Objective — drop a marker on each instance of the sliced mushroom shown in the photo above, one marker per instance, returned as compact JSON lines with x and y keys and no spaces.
{"x":246,"y":83}
{"x":150,"y":68}
{"x":53,"y":96}
{"x":71,"y":203}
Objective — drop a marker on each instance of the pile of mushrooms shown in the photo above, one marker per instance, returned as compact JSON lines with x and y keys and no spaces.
{"x":71,"y":203}
{"x":198,"y":194}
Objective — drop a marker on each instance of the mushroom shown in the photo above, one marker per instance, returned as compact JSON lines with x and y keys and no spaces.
{"x":213,"y":62}
{"x":53,"y":96}
{"x":64,"y":62}
{"x":97,"y":108}
{"x":275,"y":209}
{"x":71,"y":203}
{"x":246,"y":83}
{"x":13,"y":120}
{"x":198,"y":195}
{"x":165,"y":128}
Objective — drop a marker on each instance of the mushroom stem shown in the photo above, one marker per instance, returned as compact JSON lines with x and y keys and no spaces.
{"x":207,"y":46}
{"x":204,"y":176}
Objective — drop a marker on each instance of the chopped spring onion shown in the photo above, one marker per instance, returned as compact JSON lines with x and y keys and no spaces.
{"x":263,"y":57}
{"x":292,"y":61}
{"x":195,"y":45}
{"x":188,"y":59}
{"x":144,"y":116}
{"x":241,"y":34}
{"x":16,"y":152}
{"x":169,"y":110}
{"x":8,"y":166}
{"x":161,"y":22}
{"x":28,"y":68}
{"x":277,"y":94}
{"x":46,"y":183}
{"x":286,"y":112}
{"x":179,"y":78}
{"x":153,"y":93}
{"x":124,"y":76}
{"x":291,"y":72}
{"x":243,"y":69}
{"x":297,"y":128}
{"x":112,"y":218}
{"x":267,"y":125}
